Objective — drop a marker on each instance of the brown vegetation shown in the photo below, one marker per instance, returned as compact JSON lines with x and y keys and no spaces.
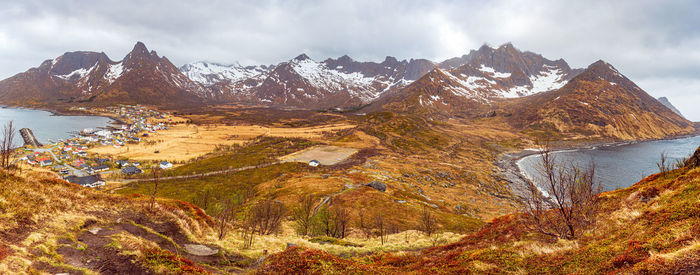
{"x":571,"y":193}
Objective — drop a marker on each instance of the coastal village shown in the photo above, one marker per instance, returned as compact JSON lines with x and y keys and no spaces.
{"x":71,"y":159}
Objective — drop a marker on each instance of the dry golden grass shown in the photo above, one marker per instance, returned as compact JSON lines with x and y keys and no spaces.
{"x":403,"y":241}
{"x":185,"y":142}
{"x":326,"y":155}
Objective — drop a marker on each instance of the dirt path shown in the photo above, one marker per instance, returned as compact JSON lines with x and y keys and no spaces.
{"x":202,"y":174}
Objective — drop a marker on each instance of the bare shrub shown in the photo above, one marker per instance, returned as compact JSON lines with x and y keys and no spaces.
{"x":154,"y":192}
{"x":363,"y":224}
{"x":225,"y":211}
{"x":570,"y":202}
{"x":266,"y":216}
{"x":427,"y":223}
{"x":341,"y":220}
{"x":664,"y":164}
{"x":380,"y":227}
{"x":302,"y":215}
{"x":7,"y":144}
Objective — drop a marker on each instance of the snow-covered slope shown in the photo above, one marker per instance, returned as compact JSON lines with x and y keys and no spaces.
{"x":208,"y":73}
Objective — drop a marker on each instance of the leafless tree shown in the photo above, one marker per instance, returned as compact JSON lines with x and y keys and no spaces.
{"x":427,"y":222}
{"x":364,"y":225}
{"x":379,"y":225}
{"x":224,"y":217}
{"x":303,"y":215}
{"x":156,"y":180}
{"x":267,"y":216}
{"x":7,"y":144}
{"x":204,"y":197}
{"x":341,"y":217}
{"x":333,"y":222}
{"x":569,"y":201}
{"x":225,"y":211}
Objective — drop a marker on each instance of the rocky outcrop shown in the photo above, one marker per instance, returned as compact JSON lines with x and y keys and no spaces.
{"x":377,"y":185}
{"x":694,"y":160}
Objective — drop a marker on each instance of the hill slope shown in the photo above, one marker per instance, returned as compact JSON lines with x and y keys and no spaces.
{"x":51,"y":226}
{"x":599,"y":102}
{"x":652,"y":227}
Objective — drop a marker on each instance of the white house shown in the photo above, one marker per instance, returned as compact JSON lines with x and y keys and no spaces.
{"x":314,"y":163}
{"x":165,"y":165}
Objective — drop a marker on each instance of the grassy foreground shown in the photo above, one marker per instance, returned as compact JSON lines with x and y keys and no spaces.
{"x":652,"y":227}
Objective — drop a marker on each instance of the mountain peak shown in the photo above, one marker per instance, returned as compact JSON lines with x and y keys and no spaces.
{"x":345,"y":58}
{"x":485,"y":47}
{"x":664,"y":100}
{"x":390,"y":59}
{"x":140,"y":48}
{"x":506,"y":45}
{"x":302,"y":57}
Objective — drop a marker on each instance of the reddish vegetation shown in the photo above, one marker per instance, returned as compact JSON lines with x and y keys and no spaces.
{"x":169,"y":259}
{"x":4,"y":251}
{"x":296,"y":260}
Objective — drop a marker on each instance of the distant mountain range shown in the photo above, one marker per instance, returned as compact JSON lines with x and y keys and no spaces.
{"x":92,"y":78}
{"x":535,"y":91}
{"x":668,"y":104}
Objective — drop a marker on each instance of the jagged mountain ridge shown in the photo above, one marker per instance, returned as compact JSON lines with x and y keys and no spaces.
{"x":486,"y":76}
{"x":304,"y":83}
{"x":140,"y":77}
{"x":344,"y":82}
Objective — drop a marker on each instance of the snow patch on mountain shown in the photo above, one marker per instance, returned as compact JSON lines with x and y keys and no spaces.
{"x":210,"y":73}
{"x":79,"y":72}
{"x":493,"y":72}
{"x":551,"y":79}
{"x":115,"y":71}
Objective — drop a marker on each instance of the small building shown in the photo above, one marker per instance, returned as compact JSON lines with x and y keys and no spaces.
{"x":87,"y":181}
{"x":165,"y":165}
{"x":46,"y":162}
{"x":123,"y":163}
{"x":314,"y":163}
{"x":131,"y":170}
{"x":101,"y":160}
{"x":99,"y":168}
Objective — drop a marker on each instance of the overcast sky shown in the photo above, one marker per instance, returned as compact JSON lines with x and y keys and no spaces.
{"x":654,"y":43}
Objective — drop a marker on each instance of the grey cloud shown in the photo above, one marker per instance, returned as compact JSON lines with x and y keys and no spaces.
{"x":649,"y":41}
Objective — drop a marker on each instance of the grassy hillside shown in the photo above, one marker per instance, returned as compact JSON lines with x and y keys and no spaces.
{"x":49,"y":225}
{"x":652,"y":227}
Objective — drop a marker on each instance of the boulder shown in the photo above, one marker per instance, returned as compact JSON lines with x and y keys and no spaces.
{"x":377,"y":185}
{"x":200,"y":250}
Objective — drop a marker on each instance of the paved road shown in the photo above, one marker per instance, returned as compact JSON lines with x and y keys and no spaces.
{"x":203,"y":174}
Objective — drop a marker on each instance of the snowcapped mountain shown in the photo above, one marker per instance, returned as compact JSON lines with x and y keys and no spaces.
{"x":304,"y":83}
{"x":92,"y":78}
{"x":208,"y":73}
{"x":482,"y":76}
{"x":506,"y":72}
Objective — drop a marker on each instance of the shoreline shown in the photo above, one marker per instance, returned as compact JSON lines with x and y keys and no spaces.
{"x":57,"y":112}
{"x":510,"y":171}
